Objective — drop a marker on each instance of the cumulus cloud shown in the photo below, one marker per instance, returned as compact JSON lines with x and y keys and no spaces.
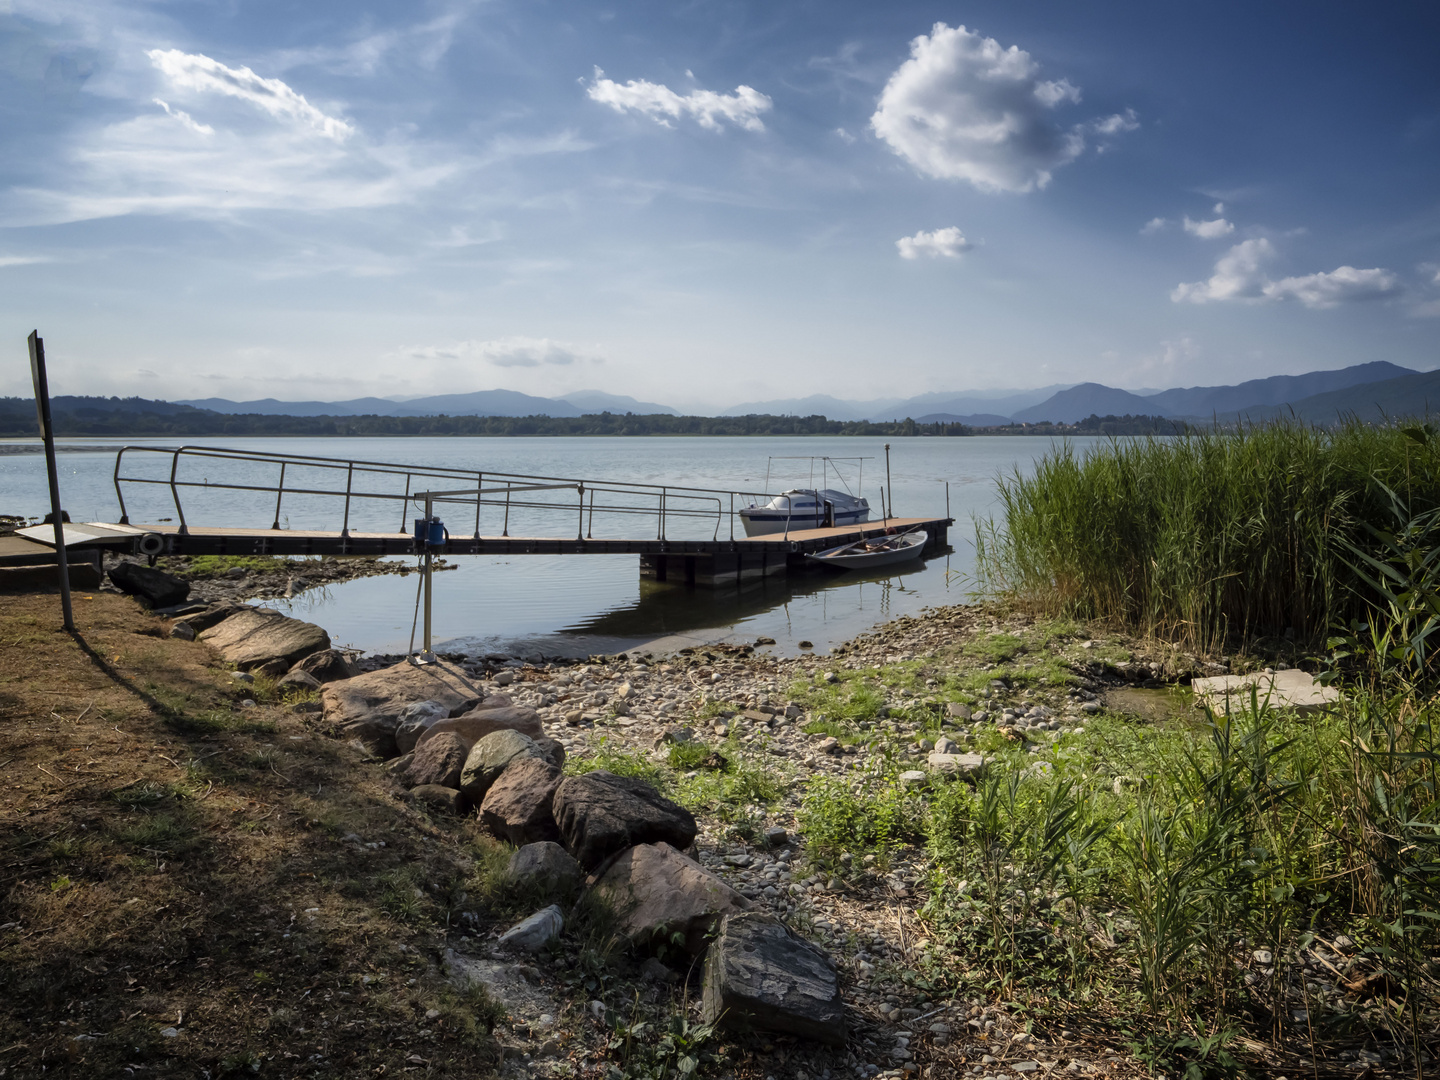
{"x":1239,"y":275}
{"x":1343,"y":285}
{"x":509,"y":352}
{"x":1208,"y":230}
{"x":197,"y":72}
{"x":663,"y":105}
{"x":965,"y":108}
{"x":948,"y":243}
{"x":1154,"y":225}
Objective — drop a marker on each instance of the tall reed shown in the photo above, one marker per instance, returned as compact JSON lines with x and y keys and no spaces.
{"x":1205,"y":537}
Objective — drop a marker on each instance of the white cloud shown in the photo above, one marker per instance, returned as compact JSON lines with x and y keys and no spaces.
{"x":1208,"y":230}
{"x":1154,"y":225}
{"x":186,"y":119}
{"x":844,"y":135}
{"x":661,"y":104}
{"x":1239,"y":276}
{"x":194,"y":71}
{"x":965,"y":108}
{"x":509,"y":352}
{"x":1343,"y":285}
{"x":949,"y":243}
{"x":23,"y":260}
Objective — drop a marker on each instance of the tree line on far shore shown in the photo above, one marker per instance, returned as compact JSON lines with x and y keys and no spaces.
{"x":137,"y":416}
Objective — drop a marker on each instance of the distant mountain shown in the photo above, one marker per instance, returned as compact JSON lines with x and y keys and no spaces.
{"x":971,"y":402}
{"x":479,"y":403}
{"x":972,"y":419}
{"x":597,"y":401}
{"x":1075,"y":404}
{"x":1416,"y":395}
{"x":1207,"y":401}
{"x":821,"y":404}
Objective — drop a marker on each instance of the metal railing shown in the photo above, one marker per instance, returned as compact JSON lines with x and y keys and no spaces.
{"x":443,"y":485}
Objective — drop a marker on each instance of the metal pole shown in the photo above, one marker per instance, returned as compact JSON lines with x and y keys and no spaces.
{"x":888,"y":482}
{"x":947,"y":498}
{"x":279,"y":494}
{"x":429,"y":577}
{"x":47,"y":433}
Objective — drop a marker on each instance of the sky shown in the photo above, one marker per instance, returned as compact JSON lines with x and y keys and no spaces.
{"x":708,"y":203}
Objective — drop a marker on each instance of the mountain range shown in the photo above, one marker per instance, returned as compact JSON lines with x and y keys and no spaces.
{"x":1372,"y":391}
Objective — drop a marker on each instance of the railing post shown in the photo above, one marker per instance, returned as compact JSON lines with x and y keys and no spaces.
{"x":429,"y":575}
{"x":349,"y":480}
{"x":405,"y":507}
{"x":479,"y":495}
{"x":580,"y":525}
{"x":506,"y":530}
{"x":660,"y":535}
{"x":175,"y":493}
{"x":590,"y":532}
{"x":124,"y":516}
{"x":279,"y":494}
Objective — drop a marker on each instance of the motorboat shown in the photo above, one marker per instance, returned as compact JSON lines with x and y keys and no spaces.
{"x":872,"y":552}
{"x":804,"y":508}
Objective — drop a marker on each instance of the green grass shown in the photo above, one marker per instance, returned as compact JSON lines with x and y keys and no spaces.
{"x":1204,"y":538}
{"x":208,"y":566}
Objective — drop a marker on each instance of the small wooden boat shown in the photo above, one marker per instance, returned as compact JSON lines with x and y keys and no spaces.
{"x":875,"y":551}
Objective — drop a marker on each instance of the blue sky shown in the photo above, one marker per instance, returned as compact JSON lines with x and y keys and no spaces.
{"x":707,"y":203}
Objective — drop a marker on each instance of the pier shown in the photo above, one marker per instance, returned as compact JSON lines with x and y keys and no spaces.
{"x":665,"y":525}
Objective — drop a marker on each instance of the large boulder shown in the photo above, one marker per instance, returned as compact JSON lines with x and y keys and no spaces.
{"x":203,"y":620}
{"x":490,"y":757}
{"x":414,"y":719}
{"x":545,"y":866}
{"x":517,"y":807}
{"x":965,"y":766}
{"x":495,"y":713}
{"x":155,"y":587}
{"x":656,"y":892}
{"x":368,"y":706}
{"x":760,"y":975}
{"x":256,"y":637}
{"x":600,"y":814}
{"x":329,"y":665}
{"x":438,"y":762}
{"x":437,"y":797}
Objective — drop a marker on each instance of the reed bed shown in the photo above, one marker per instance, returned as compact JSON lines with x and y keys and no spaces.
{"x":1208,"y":538}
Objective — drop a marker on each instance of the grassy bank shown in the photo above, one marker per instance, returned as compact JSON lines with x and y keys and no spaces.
{"x":1210,"y":537}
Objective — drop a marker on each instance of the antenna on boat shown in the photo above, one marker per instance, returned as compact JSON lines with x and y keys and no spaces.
{"x":888,"y":482}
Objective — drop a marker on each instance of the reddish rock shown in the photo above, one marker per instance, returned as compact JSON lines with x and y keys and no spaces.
{"x":656,"y":892}
{"x":517,"y":807}
{"x":437,"y":762}
{"x":600,"y":814}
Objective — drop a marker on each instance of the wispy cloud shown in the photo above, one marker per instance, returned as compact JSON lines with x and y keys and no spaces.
{"x":1343,"y":285}
{"x":1208,"y":230}
{"x":663,"y":105}
{"x":509,"y":352}
{"x":197,"y":72}
{"x":948,"y":243}
{"x":185,"y":119}
{"x":23,"y":260}
{"x":963,"y":107}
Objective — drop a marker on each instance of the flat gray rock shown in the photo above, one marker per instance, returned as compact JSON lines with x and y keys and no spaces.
{"x":760,"y":976}
{"x":489,"y":757}
{"x":368,"y":707}
{"x":546,"y":865}
{"x":255,"y":637}
{"x":1289,"y":689}
{"x":656,"y":892}
{"x":965,"y":766}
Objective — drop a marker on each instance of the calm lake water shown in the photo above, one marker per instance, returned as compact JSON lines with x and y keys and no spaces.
{"x":567,"y":605}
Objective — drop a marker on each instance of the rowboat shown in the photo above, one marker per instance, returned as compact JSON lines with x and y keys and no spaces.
{"x":873,"y":552}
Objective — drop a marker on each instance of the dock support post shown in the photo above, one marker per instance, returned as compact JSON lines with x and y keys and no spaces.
{"x":47,"y":433}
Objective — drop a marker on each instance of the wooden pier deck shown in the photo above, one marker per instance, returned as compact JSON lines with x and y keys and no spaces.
{"x":701,"y":562}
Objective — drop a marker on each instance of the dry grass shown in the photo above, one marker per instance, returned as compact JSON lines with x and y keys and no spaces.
{"x":170,"y":860}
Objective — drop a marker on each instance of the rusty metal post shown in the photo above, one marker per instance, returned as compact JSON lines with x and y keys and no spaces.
{"x":47,"y":433}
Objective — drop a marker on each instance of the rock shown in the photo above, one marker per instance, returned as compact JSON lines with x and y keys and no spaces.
{"x":45,"y":577}
{"x":675,"y":735}
{"x":329,"y":665}
{"x":155,"y":587}
{"x":368,"y":706}
{"x":914,"y":778}
{"x":775,"y":836}
{"x":439,"y":761}
{"x":600,"y":813}
{"x":414,"y":720}
{"x":965,"y":766}
{"x":517,"y":807}
{"x":396,"y":766}
{"x":253,"y":637}
{"x":656,"y":892}
{"x":272,"y":669}
{"x":1288,"y":689}
{"x":957,"y":711}
{"x":532,"y":934}
{"x":653,"y":970}
{"x":504,"y":678}
{"x":759,"y":975}
{"x":486,"y":718}
{"x":447,"y":800}
{"x":298,"y":680}
{"x":829,"y":745}
{"x":763,"y":640}
{"x":945,"y":745}
{"x":203,"y":620}
{"x":546,"y":865}
{"x":489,"y":757}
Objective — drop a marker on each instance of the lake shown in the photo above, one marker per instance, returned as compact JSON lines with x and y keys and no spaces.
{"x":572,"y":605}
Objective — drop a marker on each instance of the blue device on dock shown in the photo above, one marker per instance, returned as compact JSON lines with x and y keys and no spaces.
{"x":430,"y":532}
